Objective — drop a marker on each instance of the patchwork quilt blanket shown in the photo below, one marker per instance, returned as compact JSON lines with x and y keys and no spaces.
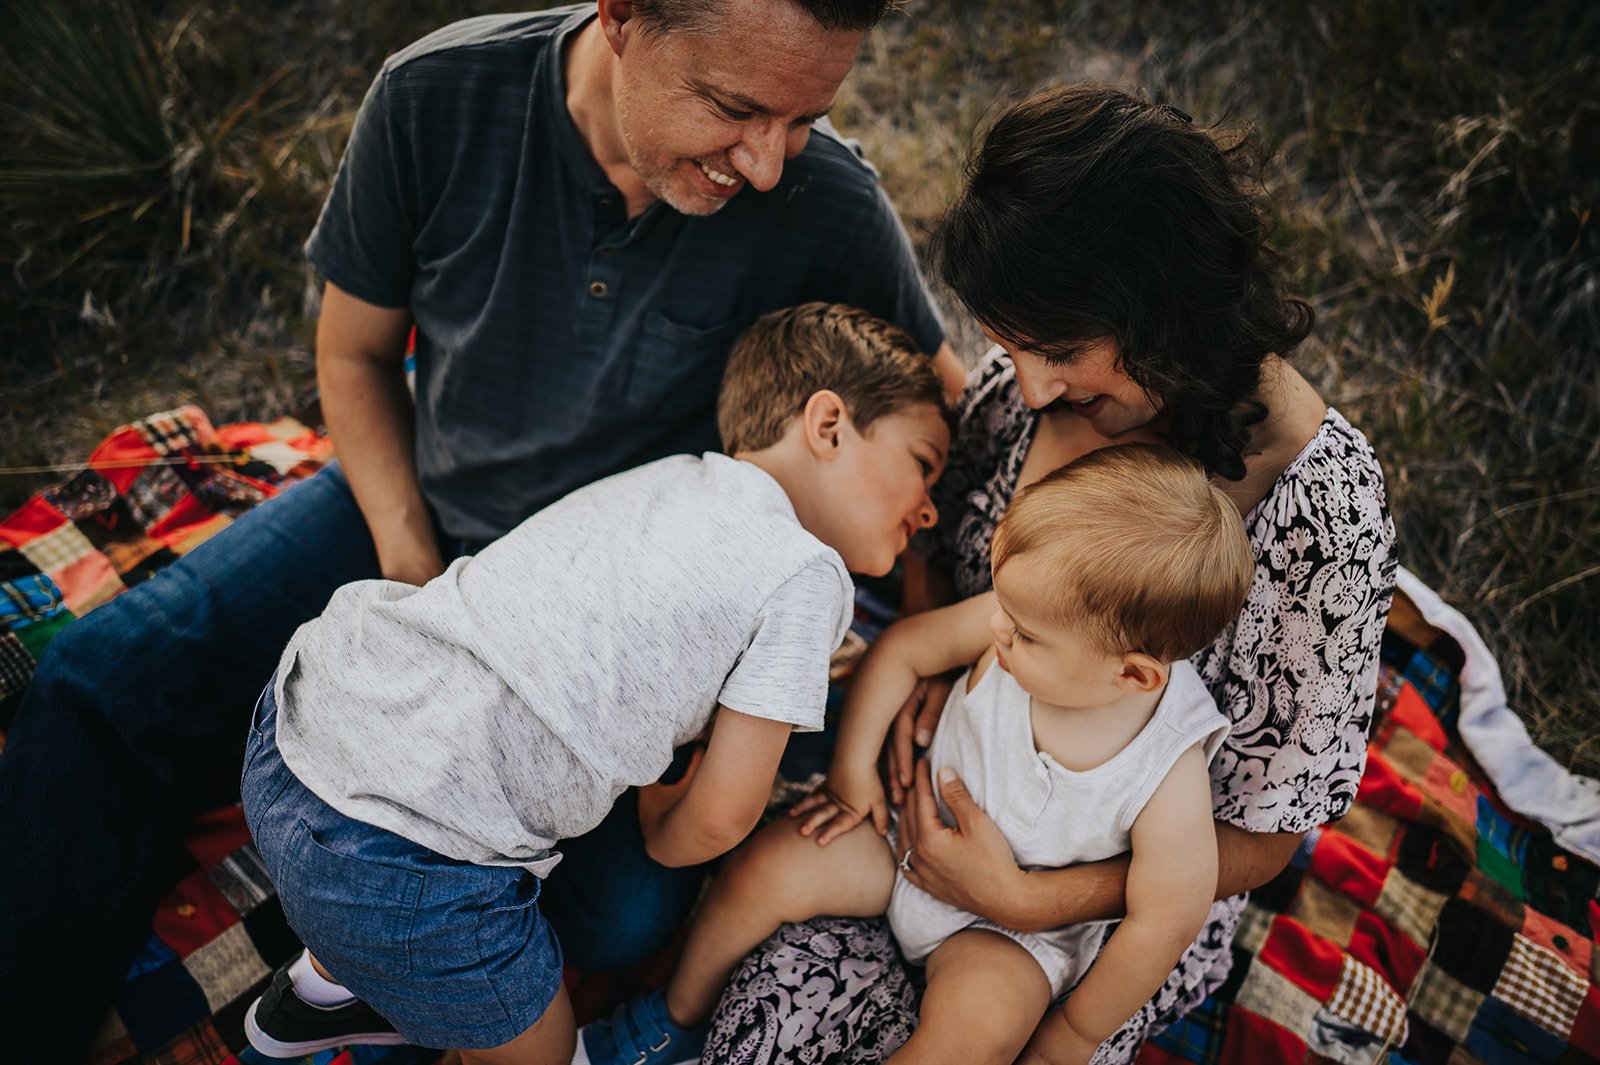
{"x":1432,"y":924}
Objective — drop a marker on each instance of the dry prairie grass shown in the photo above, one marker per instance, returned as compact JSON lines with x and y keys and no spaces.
{"x":1440,"y":166}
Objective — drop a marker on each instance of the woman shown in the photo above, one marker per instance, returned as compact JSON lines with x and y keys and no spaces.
{"x":1113,"y":253}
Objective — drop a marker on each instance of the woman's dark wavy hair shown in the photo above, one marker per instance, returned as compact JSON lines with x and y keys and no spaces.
{"x":1090,"y":214}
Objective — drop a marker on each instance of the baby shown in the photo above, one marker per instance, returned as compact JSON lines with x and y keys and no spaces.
{"x":1081,"y":730}
{"x":422,"y":752}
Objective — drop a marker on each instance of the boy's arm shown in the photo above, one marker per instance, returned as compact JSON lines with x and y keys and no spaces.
{"x":1171,"y":881}
{"x":721,"y":798}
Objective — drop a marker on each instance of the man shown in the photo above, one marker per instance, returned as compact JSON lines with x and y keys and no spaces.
{"x":558,"y":203}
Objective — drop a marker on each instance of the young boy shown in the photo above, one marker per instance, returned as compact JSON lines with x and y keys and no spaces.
{"x":421,"y":752}
{"x":1081,"y":731}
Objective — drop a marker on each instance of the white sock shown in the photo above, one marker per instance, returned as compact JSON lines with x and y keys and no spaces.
{"x":313,"y":987}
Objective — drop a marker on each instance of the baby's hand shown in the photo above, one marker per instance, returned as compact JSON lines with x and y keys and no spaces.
{"x":841,"y":804}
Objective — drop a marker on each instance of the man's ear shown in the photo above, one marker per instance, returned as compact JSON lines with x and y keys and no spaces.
{"x":1141,"y":673}
{"x":824,"y":420}
{"x":615,"y":15}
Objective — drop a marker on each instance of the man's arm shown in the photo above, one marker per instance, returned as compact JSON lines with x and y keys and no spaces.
{"x":361,"y":375}
{"x":971,"y":866}
{"x":722,"y":796}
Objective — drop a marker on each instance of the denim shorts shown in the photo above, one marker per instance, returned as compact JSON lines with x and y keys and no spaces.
{"x":454,"y":955}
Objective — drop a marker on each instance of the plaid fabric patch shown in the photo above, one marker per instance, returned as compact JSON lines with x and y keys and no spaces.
{"x":1367,"y":1001}
{"x":1410,"y":907}
{"x":1273,"y":996}
{"x":1445,"y":1002}
{"x":55,"y":551}
{"x":1539,"y":984}
{"x":242,"y":879}
{"x":175,"y":430}
{"x":16,"y":664}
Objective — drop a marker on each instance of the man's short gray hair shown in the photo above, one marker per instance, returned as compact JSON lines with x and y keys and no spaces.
{"x":693,"y":15}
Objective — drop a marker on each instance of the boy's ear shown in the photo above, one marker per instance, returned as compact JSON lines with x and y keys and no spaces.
{"x":1141,"y":673}
{"x":823,"y":421}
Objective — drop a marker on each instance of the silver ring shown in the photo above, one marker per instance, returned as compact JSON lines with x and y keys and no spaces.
{"x":905,"y":862}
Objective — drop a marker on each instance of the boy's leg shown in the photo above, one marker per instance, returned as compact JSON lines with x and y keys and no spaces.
{"x":549,"y":1042}
{"x":985,"y":995}
{"x":776,"y":877}
{"x":134,"y":722}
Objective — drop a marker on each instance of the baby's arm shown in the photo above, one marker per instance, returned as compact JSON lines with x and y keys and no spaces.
{"x":721,"y":798}
{"x":923,"y":645}
{"x":1171,"y":881}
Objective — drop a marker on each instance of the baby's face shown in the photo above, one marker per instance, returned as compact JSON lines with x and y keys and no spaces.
{"x":1055,"y":663}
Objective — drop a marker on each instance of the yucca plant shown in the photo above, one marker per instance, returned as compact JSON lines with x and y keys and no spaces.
{"x":97,"y":180}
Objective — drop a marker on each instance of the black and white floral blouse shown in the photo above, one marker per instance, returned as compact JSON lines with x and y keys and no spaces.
{"x":1296,"y":674}
{"x":1297,"y":671}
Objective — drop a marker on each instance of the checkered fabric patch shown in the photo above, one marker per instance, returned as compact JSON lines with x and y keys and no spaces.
{"x":175,"y":430}
{"x":56,"y":550}
{"x":1445,"y":1002}
{"x":1539,"y":984}
{"x":1365,"y":999}
{"x":16,"y":664}
{"x":1410,"y":907}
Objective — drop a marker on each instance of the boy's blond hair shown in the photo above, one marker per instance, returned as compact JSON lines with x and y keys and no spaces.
{"x":788,"y":355}
{"x":1142,"y":551}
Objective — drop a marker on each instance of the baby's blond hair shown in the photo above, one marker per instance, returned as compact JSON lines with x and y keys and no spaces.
{"x":1142,"y":551}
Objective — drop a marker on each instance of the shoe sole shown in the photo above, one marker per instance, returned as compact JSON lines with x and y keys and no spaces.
{"x":272,"y":1048}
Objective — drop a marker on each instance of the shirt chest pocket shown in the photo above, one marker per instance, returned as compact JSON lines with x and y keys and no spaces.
{"x":678,"y":365}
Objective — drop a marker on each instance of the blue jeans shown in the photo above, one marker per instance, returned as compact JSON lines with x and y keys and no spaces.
{"x":136,"y":721}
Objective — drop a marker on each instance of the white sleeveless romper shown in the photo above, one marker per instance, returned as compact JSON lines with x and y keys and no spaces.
{"x":1052,"y":816}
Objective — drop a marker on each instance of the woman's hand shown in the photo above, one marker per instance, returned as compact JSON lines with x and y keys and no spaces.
{"x":848,"y":798}
{"x":969,"y":866}
{"x":914,"y":724}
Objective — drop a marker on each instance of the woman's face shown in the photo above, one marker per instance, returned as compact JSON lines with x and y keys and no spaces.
{"x":1089,"y":385}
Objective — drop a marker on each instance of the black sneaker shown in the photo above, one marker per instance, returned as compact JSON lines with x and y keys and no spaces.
{"x":281,"y":1024}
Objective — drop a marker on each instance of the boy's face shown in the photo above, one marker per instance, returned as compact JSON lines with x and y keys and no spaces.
{"x":703,"y":113}
{"x":878,"y":486}
{"x":1056,"y":664}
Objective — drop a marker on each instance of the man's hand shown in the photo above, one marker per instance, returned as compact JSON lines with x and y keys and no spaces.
{"x":412,"y":563}
{"x":848,"y":798}
{"x":970,"y":866}
{"x":656,"y":799}
{"x":913,"y":725}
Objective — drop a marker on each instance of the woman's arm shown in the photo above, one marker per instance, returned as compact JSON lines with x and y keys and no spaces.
{"x":971,"y":866}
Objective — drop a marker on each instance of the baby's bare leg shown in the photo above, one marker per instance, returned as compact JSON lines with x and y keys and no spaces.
{"x":776,"y":877}
{"x":985,"y":994}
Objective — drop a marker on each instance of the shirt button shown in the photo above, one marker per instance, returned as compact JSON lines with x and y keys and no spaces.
{"x":597,"y":289}
{"x":606,"y":204}
{"x":607,"y":250}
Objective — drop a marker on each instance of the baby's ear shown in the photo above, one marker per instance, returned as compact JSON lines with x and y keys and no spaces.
{"x":1141,"y":673}
{"x":823,"y":421}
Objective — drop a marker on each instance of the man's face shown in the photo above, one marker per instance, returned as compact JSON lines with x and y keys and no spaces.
{"x":703,"y":112}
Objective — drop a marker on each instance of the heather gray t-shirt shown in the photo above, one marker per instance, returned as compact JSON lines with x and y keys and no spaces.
{"x":558,"y":340}
{"x":506,"y":704}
